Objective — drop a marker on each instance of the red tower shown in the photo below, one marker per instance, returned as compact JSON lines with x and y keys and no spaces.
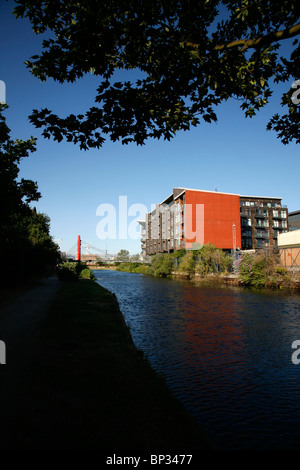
{"x":79,"y":248}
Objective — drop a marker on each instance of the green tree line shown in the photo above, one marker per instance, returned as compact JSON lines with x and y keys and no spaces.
{"x":207,"y":260}
{"x":26,"y":246}
{"x":252,"y":269}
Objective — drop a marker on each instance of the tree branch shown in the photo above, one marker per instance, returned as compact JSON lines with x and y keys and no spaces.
{"x":258,"y":42}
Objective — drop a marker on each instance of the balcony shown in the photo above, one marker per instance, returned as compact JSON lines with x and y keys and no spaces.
{"x":257,"y":225}
{"x":262,"y":215}
{"x":262,"y":235}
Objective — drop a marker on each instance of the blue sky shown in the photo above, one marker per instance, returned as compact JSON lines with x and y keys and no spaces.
{"x":236,"y":155}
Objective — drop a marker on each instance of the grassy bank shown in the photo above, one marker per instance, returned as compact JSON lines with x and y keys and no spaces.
{"x":89,"y":388}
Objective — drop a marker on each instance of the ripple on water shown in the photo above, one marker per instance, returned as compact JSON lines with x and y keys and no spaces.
{"x":225,"y":353}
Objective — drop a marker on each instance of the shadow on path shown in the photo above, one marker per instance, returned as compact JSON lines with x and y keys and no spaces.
{"x":21,"y":319}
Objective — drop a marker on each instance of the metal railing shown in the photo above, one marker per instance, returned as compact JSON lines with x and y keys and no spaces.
{"x":261,"y":215}
{"x":262,"y":235}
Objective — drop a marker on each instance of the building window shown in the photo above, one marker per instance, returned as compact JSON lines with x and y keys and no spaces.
{"x":275,"y":213}
{"x":247,"y":243}
{"x":284,"y":224}
{"x":261,"y":243}
{"x":283,"y":214}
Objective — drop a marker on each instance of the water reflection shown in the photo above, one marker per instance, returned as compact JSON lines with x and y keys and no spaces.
{"x":225,"y":353}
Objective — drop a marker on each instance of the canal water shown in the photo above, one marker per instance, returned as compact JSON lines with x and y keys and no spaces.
{"x":226,"y":353}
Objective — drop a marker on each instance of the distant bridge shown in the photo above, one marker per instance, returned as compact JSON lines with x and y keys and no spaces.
{"x":85,"y":251}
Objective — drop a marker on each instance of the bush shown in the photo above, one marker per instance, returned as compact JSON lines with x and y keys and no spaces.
{"x":133,"y":268}
{"x":80,"y":267}
{"x":261,"y":270}
{"x":212,"y":260}
{"x":67,"y":271}
{"x":143,"y":269}
{"x":126,"y":267}
{"x":162,"y":265}
{"x":187,"y":264}
{"x":86,"y":273}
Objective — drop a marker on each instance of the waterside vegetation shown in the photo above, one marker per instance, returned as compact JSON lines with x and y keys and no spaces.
{"x":249,"y":269}
{"x":25,"y":233}
{"x":72,"y":271}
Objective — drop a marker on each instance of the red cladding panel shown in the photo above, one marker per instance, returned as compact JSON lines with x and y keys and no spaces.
{"x":220,"y":213}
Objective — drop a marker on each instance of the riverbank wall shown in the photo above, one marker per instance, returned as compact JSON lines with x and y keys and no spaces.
{"x":230,"y":279}
{"x":233,"y":280}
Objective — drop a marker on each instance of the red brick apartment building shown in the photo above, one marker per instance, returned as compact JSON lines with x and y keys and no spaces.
{"x":189,"y":218}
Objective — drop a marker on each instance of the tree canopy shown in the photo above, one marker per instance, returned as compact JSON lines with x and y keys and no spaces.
{"x":26,"y":243}
{"x":190,"y":55}
{"x":123,"y":255}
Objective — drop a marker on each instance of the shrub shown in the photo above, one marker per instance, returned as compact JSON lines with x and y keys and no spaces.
{"x":143,"y":269}
{"x":80,"y":267}
{"x":127,"y":267}
{"x":162,"y":265}
{"x":212,"y":260}
{"x":86,"y":273}
{"x":261,"y":270}
{"x":187,"y":264}
{"x":67,"y":271}
{"x":133,"y":268}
